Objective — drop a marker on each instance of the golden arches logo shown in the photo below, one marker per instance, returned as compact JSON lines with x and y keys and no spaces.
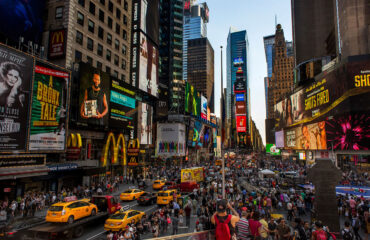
{"x":115,"y":144}
{"x":74,"y":140}
{"x":58,"y":37}
{"x":134,"y":143}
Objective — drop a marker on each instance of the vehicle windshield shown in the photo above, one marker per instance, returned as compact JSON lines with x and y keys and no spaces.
{"x":118,"y":216}
{"x":127,"y":191}
{"x":56,"y":208}
{"x":162,"y":194}
{"x":144,"y":194}
{"x":157,"y":181}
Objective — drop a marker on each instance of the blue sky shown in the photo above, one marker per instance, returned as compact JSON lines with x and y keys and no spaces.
{"x":258,"y":18}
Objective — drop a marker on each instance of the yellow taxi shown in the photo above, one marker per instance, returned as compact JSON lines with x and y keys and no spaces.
{"x":119,"y":220}
{"x":131,"y":194}
{"x":165,"y":197}
{"x":70,"y":211}
{"x":158,"y":184}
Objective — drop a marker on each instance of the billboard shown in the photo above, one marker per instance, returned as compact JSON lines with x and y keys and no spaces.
{"x":238,"y":61}
{"x":57,"y":42}
{"x":279,"y":139}
{"x":145,"y":123}
{"x":272,"y":150}
{"x":49,"y":108}
{"x":162,"y":103}
{"x":290,"y":110}
{"x":309,"y":137}
{"x":149,"y":19}
{"x":239,"y":86}
{"x":171,"y":139}
{"x":16,"y":71}
{"x":240,"y":108}
{"x":22,"y":18}
{"x":239,"y":97}
{"x":192,"y":100}
{"x":94,"y":96}
{"x":122,"y":105}
{"x":203,"y":107}
{"x":241,"y":123}
{"x":148,"y":66}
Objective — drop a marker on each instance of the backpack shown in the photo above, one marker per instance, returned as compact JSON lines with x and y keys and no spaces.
{"x":222,"y":228}
{"x":347,"y":235}
{"x":321,"y":235}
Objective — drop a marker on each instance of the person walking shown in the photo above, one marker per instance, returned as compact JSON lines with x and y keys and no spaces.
{"x":347,"y":232}
{"x":175,"y":222}
{"x":188,"y":214}
{"x":243,"y":227}
{"x":222,"y":219}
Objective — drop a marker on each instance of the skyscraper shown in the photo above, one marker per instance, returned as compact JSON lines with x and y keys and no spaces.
{"x":195,"y":26}
{"x":237,"y":52}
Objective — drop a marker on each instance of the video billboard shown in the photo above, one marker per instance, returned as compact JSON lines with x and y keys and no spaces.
{"x":149,"y":19}
{"x":272,"y":150}
{"x":192,"y":100}
{"x":145,"y":123}
{"x":203,"y":107}
{"x":279,"y":139}
{"x":290,"y":110}
{"x":239,"y":86}
{"x":240,"y":108}
{"x":238,"y":61}
{"x":241,"y":123}
{"x":171,"y":139}
{"x":94,"y":96}
{"x":309,"y":137}
{"x":122,"y":105}
{"x":148,"y":66}
{"x":16,"y":71}
{"x":22,"y":18}
{"x":49,"y":108}
{"x":239,"y":97}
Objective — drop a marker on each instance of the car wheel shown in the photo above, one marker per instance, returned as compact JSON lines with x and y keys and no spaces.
{"x":133,"y":199}
{"x":78,"y":231}
{"x":93,"y":212}
{"x":70,"y":219}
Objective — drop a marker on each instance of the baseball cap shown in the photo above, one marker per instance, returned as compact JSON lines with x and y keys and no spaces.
{"x":221,"y":206}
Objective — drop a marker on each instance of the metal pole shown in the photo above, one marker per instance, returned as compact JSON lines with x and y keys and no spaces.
{"x":223,"y":157}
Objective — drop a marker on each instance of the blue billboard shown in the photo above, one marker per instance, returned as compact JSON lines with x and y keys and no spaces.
{"x":239,"y":97}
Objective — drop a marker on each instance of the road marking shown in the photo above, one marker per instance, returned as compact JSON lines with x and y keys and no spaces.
{"x":95,"y":235}
{"x":150,"y":209}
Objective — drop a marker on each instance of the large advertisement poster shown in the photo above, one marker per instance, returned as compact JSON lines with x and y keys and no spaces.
{"x":122,"y":106}
{"x":204,"y":107}
{"x":290,"y":110}
{"x":240,"y":108}
{"x":279,"y":139}
{"x":94,"y":96}
{"x":241,"y":123}
{"x":192,"y":100}
{"x":272,"y":150}
{"x":145,"y":123}
{"x":57,"y":43}
{"x":49,"y":108}
{"x":149,"y":20}
{"x":15,"y":85}
{"x":22,"y":18}
{"x":171,"y":139}
{"x":309,"y":137}
{"x":148,"y":67}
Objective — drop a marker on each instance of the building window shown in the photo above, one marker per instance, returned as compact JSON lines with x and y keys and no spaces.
{"x":100,"y":50}
{"x":90,"y":44}
{"x":119,"y":2}
{"x":102,"y":2}
{"x":107,"y":69}
{"x":89,"y":60}
{"x":124,"y":19}
{"x":91,"y":26}
{"x":118,"y":29}
{"x":81,"y":2}
{"x":109,"y":38}
{"x":110,"y":22}
{"x":78,"y":56}
{"x":116,"y":60}
{"x":92,"y":8}
{"x":110,"y":6}
{"x":101,"y":15}
{"x":118,"y":13}
{"x":123,"y":49}
{"x":99,"y":65}
{"x":101,"y":33}
{"x":59,"y":12}
{"x":123,"y":77}
{"x":80,"y":18}
{"x":125,"y":5}
{"x":115,"y":74}
{"x":124,"y":34}
{"x":79,"y":37}
{"x":108,"y":56}
{"x":123,"y":64}
{"x":116,"y":44}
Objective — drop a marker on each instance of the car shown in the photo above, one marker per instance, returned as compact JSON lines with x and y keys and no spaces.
{"x":170,"y":185}
{"x":119,"y":220}
{"x":158,"y":184}
{"x":147,"y":198}
{"x":165,"y":197}
{"x":70,"y":211}
{"x":131,"y":194}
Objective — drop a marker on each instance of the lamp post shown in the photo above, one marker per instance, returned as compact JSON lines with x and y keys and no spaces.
{"x":223,"y":157}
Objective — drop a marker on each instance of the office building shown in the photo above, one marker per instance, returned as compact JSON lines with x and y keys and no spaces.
{"x":201,"y":68}
{"x":195,"y":26}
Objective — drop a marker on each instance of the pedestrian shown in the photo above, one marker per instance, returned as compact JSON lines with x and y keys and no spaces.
{"x":175,"y":222}
{"x":188,"y":214}
{"x":319,"y":233}
{"x":272,"y":229}
{"x":255,"y":226}
{"x":347,"y":232}
{"x":299,"y":232}
{"x":242,"y":227}
{"x":283,"y":231}
{"x":356,"y":226}
{"x":221,"y":219}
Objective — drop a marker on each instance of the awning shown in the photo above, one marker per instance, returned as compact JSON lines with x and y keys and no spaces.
{"x":22,"y":172}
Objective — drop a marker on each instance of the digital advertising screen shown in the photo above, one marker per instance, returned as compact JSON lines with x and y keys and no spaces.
{"x":203,"y":107}
{"x":148,"y":66}
{"x":310,"y":137}
{"x":192,"y":100}
{"x":239,"y":97}
{"x":239,"y":86}
{"x":149,"y":20}
{"x":272,"y":150}
{"x":122,"y":105}
{"x":145,"y":123}
{"x":279,"y":139}
{"x":16,"y":71}
{"x":171,"y":139}
{"x":238,"y":61}
{"x":49,"y":108}
{"x":240,"y":108}
{"x":241,"y":123}
{"x":94,"y":96}
{"x":22,"y":18}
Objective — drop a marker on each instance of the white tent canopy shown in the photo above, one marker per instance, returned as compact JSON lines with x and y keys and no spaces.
{"x":265,"y":173}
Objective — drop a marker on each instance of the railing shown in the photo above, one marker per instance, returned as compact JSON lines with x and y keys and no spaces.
{"x":205,"y":235}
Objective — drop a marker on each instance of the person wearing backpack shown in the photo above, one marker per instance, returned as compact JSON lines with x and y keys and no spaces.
{"x":346,"y":231}
{"x":225,"y":223}
{"x":319,"y":233}
{"x":356,"y":226}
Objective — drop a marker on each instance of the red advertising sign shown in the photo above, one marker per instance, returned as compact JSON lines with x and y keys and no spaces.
{"x":57,"y":41}
{"x":240,"y":108}
{"x":241,"y":123}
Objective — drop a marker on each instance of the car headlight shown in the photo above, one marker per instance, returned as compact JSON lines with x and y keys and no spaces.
{"x":63,"y":212}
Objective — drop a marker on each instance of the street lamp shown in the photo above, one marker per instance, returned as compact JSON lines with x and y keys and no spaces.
{"x":223,"y":157}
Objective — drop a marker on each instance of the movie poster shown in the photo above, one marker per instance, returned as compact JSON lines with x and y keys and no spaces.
{"x":309,"y":137}
{"x":49,"y":108}
{"x":148,"y":68}
{"x":16,"y":71}
{"x":145,"y":123}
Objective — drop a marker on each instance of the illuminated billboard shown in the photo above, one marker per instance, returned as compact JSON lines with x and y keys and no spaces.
{"x":241,"y":123}
{"x":49,"y":108}
{"x":192,"y":100}
{"x":279,"y":139}
{"x":239,"y":97}
{"x":171,"y":139}
{"x":145,"y":123}
{"x":272,"y":150}
{"x":239,"y":86}
{"x":149,"y":19}
{"x":309,"y":137}
{"x":203,"y":107}
{"x":57,"y":43}
{"x":240,"y":108}
{"x":238,"y":61}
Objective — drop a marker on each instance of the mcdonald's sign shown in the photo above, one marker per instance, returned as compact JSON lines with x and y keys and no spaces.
{"x":74,"y":145}
{"x":114,"y":145}
{"x":57,"y":41}
{"x":133,"y":150}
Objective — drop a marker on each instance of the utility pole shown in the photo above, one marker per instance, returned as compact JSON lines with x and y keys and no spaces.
{"x":223,"y":157}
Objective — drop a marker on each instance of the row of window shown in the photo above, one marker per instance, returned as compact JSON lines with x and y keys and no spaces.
{"x":99,"y":65}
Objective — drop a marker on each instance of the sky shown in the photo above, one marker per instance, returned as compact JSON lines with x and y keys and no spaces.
{"x":258,"y":18}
